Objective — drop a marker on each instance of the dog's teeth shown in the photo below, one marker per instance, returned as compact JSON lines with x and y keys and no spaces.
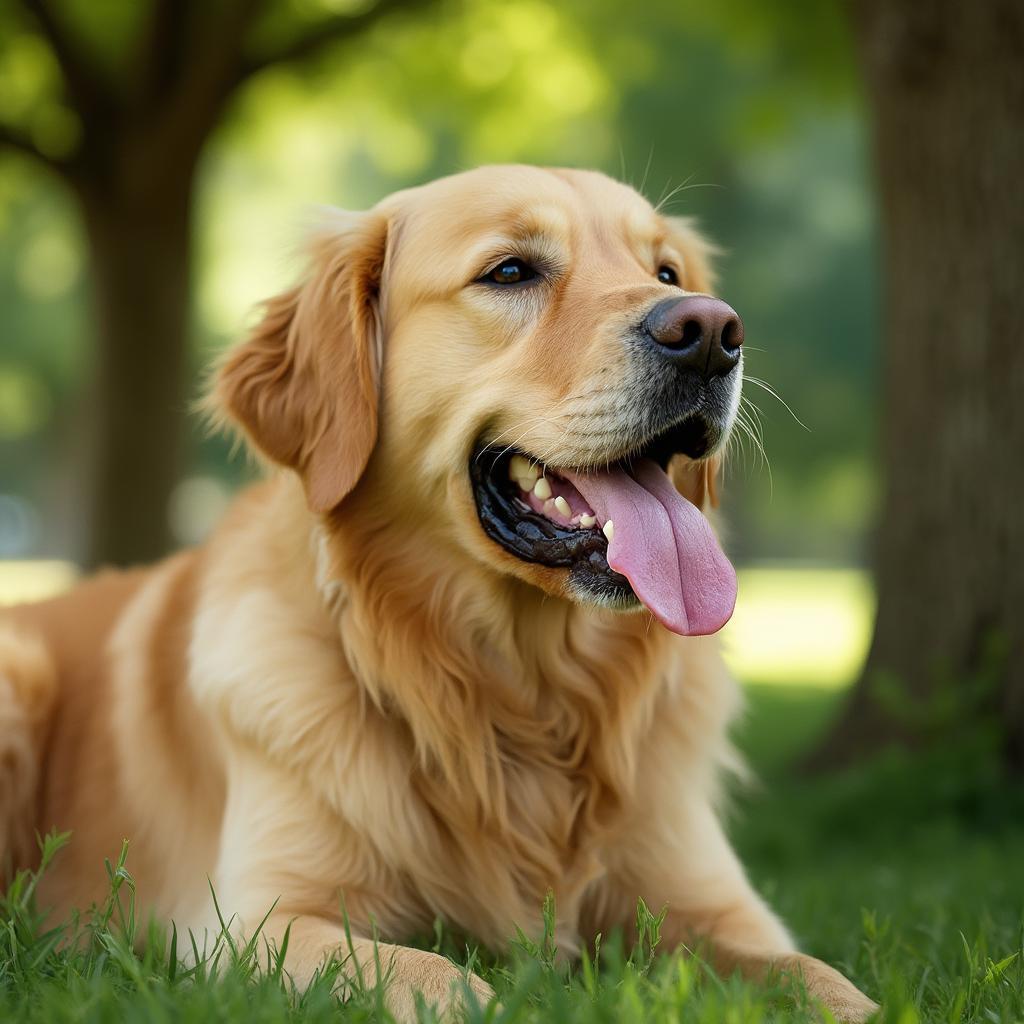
{"x":522,"y":470}
{"x":542,"y":489}
{"x":587,"y":521}
{"x":563,"y":506}
{"x":608,"y":530}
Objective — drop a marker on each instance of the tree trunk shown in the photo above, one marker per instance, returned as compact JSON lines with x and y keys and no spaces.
{"x":144,"y":121}
{"x":946,"y":94}
{"x":140,"y":246}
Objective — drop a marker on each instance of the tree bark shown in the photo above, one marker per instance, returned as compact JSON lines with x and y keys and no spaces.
{"x":946,"y":94}
{"x":140,"y":246}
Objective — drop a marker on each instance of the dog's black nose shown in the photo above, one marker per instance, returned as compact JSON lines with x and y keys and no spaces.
{"x":697,"y":333}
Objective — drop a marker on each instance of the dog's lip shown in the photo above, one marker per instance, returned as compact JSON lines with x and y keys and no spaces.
{"x":520,"y":529}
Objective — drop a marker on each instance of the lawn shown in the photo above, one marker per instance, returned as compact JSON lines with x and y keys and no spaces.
{"x":908,"y":874}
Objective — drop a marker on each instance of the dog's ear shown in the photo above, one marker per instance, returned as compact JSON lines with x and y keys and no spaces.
{"x":303,"y":388}
{"x":696,"y":481}
{"x":697,"y":252}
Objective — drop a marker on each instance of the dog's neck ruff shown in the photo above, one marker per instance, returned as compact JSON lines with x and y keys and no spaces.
{"x":488,"y":674}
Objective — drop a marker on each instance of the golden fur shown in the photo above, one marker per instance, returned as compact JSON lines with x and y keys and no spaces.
{"x":349,"y":693}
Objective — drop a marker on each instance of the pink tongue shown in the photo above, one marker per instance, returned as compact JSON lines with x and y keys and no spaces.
{"x":664,"y":546}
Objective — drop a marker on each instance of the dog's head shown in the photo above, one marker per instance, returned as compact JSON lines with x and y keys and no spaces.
{"x":506,"y":363}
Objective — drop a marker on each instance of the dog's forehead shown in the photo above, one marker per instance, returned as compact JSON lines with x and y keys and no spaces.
{"x":565,"y":206}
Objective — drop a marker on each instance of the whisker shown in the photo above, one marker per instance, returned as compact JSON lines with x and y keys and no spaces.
{"x":748,"y":420}
{"x":754,"y":416}
{"x":764,"y":385}
{"x":684,"y":187}
{"x":534,"y":422}
{"x":647,"y":169}
{"x":667,"y":195}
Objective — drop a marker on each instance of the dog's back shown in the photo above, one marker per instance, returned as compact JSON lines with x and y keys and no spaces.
{"x":53,"y":691}
{"x":75,"y":705}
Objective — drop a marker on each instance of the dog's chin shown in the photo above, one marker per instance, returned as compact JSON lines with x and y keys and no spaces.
{"x":590,"y":584}
{"x":602,"y":592}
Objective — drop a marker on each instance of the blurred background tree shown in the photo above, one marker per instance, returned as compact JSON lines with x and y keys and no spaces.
{"x":947,"y":104}
{"x":124,"y":100}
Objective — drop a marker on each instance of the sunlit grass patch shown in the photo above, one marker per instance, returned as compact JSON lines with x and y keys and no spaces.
{"x":22,"y":581}
{"x":800,"y":626}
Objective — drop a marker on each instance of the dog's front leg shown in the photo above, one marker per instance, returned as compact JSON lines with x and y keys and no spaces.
{"x":403,"y":972}
{"x":823,"y":983}
{"x":684,"y":863}
{"x":283,"y":852}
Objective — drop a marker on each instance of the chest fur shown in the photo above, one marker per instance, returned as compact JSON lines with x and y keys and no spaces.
{"x":484,"y":862}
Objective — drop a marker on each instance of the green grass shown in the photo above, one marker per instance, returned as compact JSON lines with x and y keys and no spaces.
{"x":907,"y":874}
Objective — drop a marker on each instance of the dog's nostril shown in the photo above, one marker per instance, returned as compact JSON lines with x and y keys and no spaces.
{"x":692,"y":331}
{"x":730,"y":339}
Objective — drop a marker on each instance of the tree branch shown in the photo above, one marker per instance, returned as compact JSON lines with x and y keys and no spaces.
{"x":86,"y":87}
{"x":330,"y":30}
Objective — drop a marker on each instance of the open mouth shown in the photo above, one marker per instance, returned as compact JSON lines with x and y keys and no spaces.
{"x":624,"y":533}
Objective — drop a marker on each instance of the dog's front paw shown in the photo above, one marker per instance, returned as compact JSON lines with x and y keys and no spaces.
{"x":846,"y":1002}
{"x":441,"y":984}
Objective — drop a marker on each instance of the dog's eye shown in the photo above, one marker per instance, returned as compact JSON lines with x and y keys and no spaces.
{"x":511,"y":271}
{"x":666,"y":275}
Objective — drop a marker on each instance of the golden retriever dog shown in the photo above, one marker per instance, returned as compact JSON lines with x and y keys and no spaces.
{"x":453,"y":653}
